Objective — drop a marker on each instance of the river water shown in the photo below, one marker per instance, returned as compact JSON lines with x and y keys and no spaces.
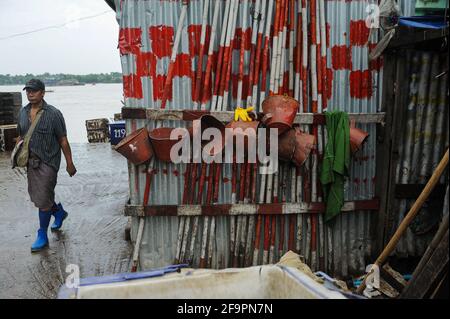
{"x":79,"y":103}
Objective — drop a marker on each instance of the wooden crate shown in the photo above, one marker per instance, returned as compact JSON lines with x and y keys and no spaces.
{"x":8,"y":133}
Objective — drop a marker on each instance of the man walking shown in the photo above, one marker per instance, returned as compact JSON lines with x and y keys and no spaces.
{"x":47,"y":139}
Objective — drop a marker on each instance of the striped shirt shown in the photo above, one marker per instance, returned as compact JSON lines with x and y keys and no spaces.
{"x":45,"y":139}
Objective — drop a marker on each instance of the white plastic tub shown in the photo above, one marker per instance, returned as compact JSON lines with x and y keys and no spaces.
{"x":259,"y":282}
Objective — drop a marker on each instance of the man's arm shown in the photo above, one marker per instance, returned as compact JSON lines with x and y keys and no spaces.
{"x":68,"y":155}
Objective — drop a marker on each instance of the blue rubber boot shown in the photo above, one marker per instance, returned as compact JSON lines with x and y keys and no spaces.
{"x":42,"y":239}
{"x":60,"y":214}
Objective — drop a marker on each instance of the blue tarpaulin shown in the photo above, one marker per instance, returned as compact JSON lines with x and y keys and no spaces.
{"x":427,"y":22}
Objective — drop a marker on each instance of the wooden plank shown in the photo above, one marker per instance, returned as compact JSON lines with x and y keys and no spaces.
{"x":401,"y":95}
{"x":383,"y":154}
{"x":408,"y":37}
{"x":443,"y":229}
{"x":133,"y":113}
{"x":245,"y":209}
{"x":227,"y":116}
{"x":394,"y":283}
{"x":423,"y":284}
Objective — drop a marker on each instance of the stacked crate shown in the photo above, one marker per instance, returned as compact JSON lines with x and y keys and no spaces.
{"x":97,"y":130}
{"x":10,"y":104}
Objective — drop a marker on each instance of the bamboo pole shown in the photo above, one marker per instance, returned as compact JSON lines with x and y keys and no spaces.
{"x":209,"y":198}
{"x":259,"y":45}
{"x":273,"y":64}
{"x":324,"y":44}
{"x":252,"y":219}
{"x":199,"y":73}
{"x":265,"y":55}
{"x":298,"y":54}
{"x":254,"y":46}
{"x":222,"y":99}
{"x":280,"y":67}
{"x":273,"y":232}
{"x":168,"y":82}
{"x":291,"y":48}
{"x":409,"y":217}
{"x":208,"y":71}
{"x":223,"y":37}
{"x":240,"y":100}
{"x":263,"y":181}
{"x":259,"y":221}
{"x":182,"y":221}
{"x":305,"y":56}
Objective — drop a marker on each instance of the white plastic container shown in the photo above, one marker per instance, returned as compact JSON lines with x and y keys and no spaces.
{"x":259,"y":282}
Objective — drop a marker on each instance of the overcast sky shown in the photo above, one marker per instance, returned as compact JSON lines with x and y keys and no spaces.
{"x":86,"y":46}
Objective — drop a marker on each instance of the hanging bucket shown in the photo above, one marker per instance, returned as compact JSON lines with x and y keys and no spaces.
{"x":357,"y":138}
{"x":162,"y":144}
{"x":286,"y":145}
{"x":295,"y":146}
{"x":279,"y":112}
{"x":136,"y":147}
{"x":305,"y":143}
{"x":243,"y":130}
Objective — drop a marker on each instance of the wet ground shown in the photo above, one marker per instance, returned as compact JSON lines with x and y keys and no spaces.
{"x":92,"y":237}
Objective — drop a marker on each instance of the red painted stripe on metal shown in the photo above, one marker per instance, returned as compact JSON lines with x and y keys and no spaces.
{"x":145,"y":64}
{"x":158,"y":87}
{"x":132,"y":86}
{"x":161,"y":37}
{"x":361,"y":84}
{"x":359,"y":33}
{"x":341,"y":57}
{"x":130,"y":40}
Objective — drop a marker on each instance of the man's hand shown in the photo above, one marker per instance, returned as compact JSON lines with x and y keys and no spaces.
{"x":71,"y":169}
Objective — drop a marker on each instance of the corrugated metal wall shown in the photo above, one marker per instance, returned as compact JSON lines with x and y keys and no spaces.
{"x":345,"y":81}
{"x":424,"y":143}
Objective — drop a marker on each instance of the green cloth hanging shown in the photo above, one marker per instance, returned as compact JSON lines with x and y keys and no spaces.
{"x":336,"y":162}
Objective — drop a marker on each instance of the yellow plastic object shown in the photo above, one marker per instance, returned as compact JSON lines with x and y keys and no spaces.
{"x":242,"y":114}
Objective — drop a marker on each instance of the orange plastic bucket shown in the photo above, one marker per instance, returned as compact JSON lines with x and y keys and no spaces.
{"x":305,"y":143}
{"x":136,"y":147}
{"x":279,"y":112}
{"x":162,"y":144}
{"x":295,"y":146}
{"x":286,"y":145}
{"x":357,"y":138}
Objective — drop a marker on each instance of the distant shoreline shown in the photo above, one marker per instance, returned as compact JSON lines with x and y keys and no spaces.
{"x":52,"y":86}
{"x":63,"y":79}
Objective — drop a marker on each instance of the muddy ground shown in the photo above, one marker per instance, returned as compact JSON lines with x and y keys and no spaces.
{"x":92,"y":237}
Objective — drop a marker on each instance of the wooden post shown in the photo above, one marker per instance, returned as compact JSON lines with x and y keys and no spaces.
{"x":388,"y":139}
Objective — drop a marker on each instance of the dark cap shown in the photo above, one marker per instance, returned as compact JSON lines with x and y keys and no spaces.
{"x":35,"y":84}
